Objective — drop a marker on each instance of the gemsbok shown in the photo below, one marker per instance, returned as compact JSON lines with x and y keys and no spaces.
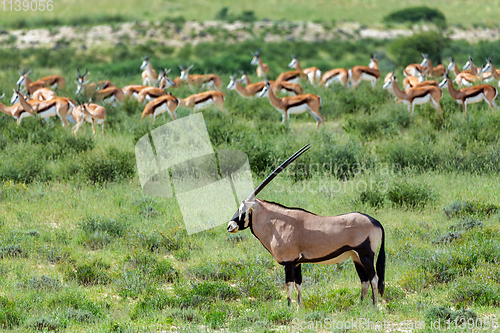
{"x":262,"y":68}
{"x":48,"y":81}
{"x":313,"y":73}
{"x":416,"y":96}
{"x":295,"y":236}
{"x":149,"y":75}
{"x":91,"y":113}
{"x":370,"y":73}
{"x":294,"y":104}
{"x":431,"y":71}
{"x":203,"y":100}
{"x":206,"y":81}
{"x":470,"y":95}
{"x":161,"y":105}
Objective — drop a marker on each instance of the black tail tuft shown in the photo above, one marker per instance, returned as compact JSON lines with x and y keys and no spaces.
{"x":381,"y":266}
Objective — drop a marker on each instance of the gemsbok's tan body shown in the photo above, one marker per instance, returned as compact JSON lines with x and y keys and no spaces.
{"x":417,"y":96}
{"x":369,"y":73}
{"x":471,"y":95}
{"x":313,"y":73}
{"x":262,"y":68}
{"x":161,"y":105}
{"x":91,"y":113}
{"x":340,"y":75}
{"x":203,"y":100}
{"x":295,"y":105}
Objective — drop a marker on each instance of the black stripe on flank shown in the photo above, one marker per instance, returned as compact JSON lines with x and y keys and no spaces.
{"x":297,"y":104}
{"x":203,"y":99}
{"x":371,"y":71}
{"x":474,"y":94}
{"x":46,"y":108}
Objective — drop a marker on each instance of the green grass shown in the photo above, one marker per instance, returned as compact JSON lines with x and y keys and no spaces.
{"x":366,"y":12}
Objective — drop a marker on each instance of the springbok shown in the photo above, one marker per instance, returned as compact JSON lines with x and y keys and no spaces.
{"x":206,"y":81}
{"x":43,"y":94}
{"x":470,"y":67}
{"x":294,"y":105}
{"x":413,"y":69}
{"x":133,"y":90}
{"x":83,"y":87}
{"x":149,"y":75}
{"x":312,"y":73}
{"x":340,"y":75}
{"x":60,"y":106}
{"x":262,"y":68}
{"x":370,"y":73}
{"x":48,"y":81}
{"x":160,"y":105}
{"x":295,"y":236}
{"x":150,"y":93}
{"x":437,"y":71}
{"x":91,"y":113}
{"x":203,"y":100}
{"x":470,"y":95}
{"x":416,"y":96}
{"x":464,"y":78}
{"x":16,"y":111}
{"x":284,"y":87}
{"x":490,"y":73}
{"x":410,"y":82}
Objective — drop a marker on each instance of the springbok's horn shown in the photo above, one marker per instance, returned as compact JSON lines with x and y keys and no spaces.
{"x":2,"y":96}
{"x":78,"y":69}
{"x":278,"y":170}
{"x":86,"y":71}
{"x":181,"y":67}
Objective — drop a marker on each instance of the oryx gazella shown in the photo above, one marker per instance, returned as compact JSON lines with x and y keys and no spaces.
{"x":417,"y":95}
{"x":312,"y":73}
{"x":262,"y":68}
{"x":370,"y":73}
{"x":149,"y":75}
{"x":48,"y":81}
{"x":470,"y":95}
{"x":295,"y":236}
{"x":437,"y":71}
{"x":206,"y":81}
{"x":294,"y":104}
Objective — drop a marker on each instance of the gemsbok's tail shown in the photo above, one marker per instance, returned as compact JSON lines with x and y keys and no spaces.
{"x":380,"y":266}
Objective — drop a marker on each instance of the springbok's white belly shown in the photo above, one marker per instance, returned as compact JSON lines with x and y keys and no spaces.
{"x":204,"y":105}
{"x":422,"y":100}
{"x":148,"y":98}
{"x":367,"y":77}
{"x":475,"y":99}
{"x":332,"y":80}
{"x":208,"y":85}
{"x":295,"y":80}
{"x":161,"y":109}
{"x":341,"y":258}
{"x":52,"y":112}
{"x":466,"y":83}
{"x":298,"y":109}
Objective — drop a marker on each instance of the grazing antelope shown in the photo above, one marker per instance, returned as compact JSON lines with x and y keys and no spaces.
{"x":251,"y":90}
{"x":205,"y":81}
{"x":340,"y":75}
{"x":16,"y":111}
{"x":370,"y":73}
{"x":262,"y":68}
{"x":83,"y":87}
{"x":437,"y":71}
{"x":150,"y":93}
{"x":149,"y":75}
{"x":110,"y":94}
{"x":60,"y":106}
{"x":133,"y":90}
{"x":470,"y":95}
{"x":464,"y":78}
{"x":413,"y":69}
{"x":43,"y":94}
{"x":489,"y":72}
{"x":416,"y":96}
{"x":295,"y":236}
{"x":203,"y":100}
{"x":312,"y":73}
{"x":284,"y":87}
{"x":160,"y":105}
{"x":294,"y":105}
{"x":91,"y":113}
{"x":48,"y":81}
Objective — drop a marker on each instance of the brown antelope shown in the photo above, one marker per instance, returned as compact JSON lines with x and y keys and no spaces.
{"x":411,"y":70}
{"x":91,"y":113}
{"x":464,"y":78}
{"x":205,"y":81}
{"x":416,"y":96}
{"x":437,"y":71}
{"x":295,"y":236}
{"x":470,"y":67}
{"x":160,"y":105}
{"x":83,"y":87}
{"x":490,"y":73}
{"x":370,"y":73}
{"x":48,"y":81}
{"x":133,"y":90}
{"x":149,"y":75}
{"x":294,"y":105}
{"x":340,"y":75}
{"x":150,"y":93}
{"x":60,"y":106}
{"x":284,"y":87}
{"x":203,"y":100}
{"x":110,"y":94}
{"x":17,"y":111}
{"x":251,"y":90}
{"x":470,"y":95}
{"x":43,"y":94}
{"x":262,"y":68}
{"x":312,"y":73}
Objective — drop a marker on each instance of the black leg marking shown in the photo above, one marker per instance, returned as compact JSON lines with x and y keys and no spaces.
{"x":298,"y":282}
{"x":289,"y":279}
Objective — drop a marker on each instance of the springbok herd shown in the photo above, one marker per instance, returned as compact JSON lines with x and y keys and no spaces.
{"x":418,"y":88}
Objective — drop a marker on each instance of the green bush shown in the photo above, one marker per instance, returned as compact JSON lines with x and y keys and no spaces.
{"x":374,"y":198}
{"x":417,"y":14}
{"x":410,"y":155}
{"x":89,"y":272}
{"x":408,"y":50}
{"x":113,"y":165}
{"x":112,"y":227}
{"x":470,"y":207}
{"x":410,"y":194}
{"x":10,"y":315}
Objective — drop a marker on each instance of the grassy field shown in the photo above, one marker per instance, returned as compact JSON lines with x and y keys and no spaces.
{"x":83,"y":250}
{"x":366,"y":12}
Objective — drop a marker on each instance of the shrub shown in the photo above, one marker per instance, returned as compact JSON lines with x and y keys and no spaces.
{"x":216,"y":318}
{"x":91,"y":272}
{"x":408,"y":50}
{"x":113,"y":165}
{"x":112,"y":227}
{"x":466,"y":224}
{"x":410,"y":155}
{"x":10,"y":315}
{"x":45,"y":323}
{"x":12,"y":251}
{"x":470,"y":207}
{"x":417,"y":14}
{"x":410,"y":194}
{"x":373,"y":198}
{"x":43,"y":283}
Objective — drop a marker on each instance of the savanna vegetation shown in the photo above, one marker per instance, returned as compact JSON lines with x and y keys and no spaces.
{"x":82,"y":249}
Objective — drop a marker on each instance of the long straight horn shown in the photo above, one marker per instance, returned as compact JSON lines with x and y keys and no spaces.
{"x":78,"y":69}
{"x":278,"y":170}
{"x":86,"y":71}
